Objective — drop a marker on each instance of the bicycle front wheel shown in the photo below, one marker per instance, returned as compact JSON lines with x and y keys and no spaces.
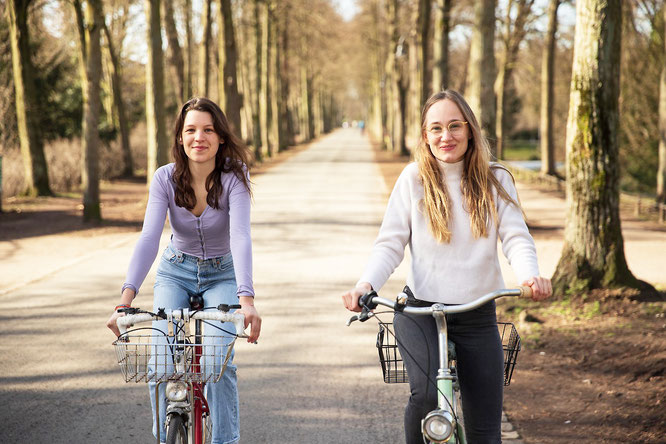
{"x":176,"y":430}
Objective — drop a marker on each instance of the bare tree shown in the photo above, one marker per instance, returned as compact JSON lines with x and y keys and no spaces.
{"x":593,"y":252}
{"x":175,"y":53}
{"x":204,"y":50}
{"x":513,"y":34}
{"x":119,"y":103}
{"x":92,"y":57}
{"x":547,"y":96}
{"x":228,"y":59}
{"x":189,"y":48}
{"x":27,"y":104}
{"x":157,"y":143}
{"x":440,"y":68}
{"x":661,"y":172}
{"x":481,"y":72}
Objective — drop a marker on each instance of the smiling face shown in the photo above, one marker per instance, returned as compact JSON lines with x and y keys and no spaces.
{"x":199,"y":139}
{"x":442,"y":117}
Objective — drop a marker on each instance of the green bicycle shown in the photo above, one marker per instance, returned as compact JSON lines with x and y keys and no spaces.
{"x":445,"y":424}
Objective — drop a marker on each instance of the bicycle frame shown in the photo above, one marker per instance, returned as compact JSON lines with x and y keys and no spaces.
{"x":440,"y":425}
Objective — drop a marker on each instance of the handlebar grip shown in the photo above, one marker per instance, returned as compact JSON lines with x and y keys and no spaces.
{"x":525,"y":292}
{"x":366,"y":300}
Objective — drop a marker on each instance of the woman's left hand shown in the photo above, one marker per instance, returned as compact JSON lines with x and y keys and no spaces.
{"x":541,"y":287}
{"x":252,"y":317}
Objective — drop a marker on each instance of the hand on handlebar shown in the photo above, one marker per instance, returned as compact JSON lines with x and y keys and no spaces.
{"x":351,"y":297}
{"x":541,"y":287}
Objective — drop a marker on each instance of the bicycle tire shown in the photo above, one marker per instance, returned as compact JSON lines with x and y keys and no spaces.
{"x":176,"y":430}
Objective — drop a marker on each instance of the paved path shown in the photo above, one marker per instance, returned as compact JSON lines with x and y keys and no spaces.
{"x":310,"y":379}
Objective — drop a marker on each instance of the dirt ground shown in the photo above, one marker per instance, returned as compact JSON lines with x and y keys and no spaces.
{"x":591,"y":369}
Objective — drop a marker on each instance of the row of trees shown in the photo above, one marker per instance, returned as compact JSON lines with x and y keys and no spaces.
{"x":269,"y":63}
{"x":415,"y":49}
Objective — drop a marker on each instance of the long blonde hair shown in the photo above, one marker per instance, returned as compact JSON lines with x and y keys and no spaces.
{"x":477,"y":181}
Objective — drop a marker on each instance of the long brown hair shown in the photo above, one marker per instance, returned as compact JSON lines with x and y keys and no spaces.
{"x":477,"y":180}
{"x":232,"y":156}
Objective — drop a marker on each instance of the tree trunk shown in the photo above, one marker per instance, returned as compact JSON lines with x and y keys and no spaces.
{"x":276,"y":139}
{"x":481,"y":71}
{"x":425,"y":7}
{"x":661,"y":172}
{"x":256,"y":109}
{"x":593,"y":252}
{"x":91,"y":112}
{"x":189,"y":48}
{"x":123,"y":126}
{"x":228,"y":54}
{"x":27,"y":104}
{"x":264,"y":73}
{"x":157,"y":141}
{"x":440,"y":69}
{"x":547,"y":93}
{"x":286,"y":115}
{"x":513,"y":36}
{"x":390,"y":76}
{"x":175,"y":53}
{"x":204,"y":50}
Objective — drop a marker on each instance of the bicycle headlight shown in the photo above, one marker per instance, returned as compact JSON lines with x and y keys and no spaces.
{"x":176,"y":391}
{"x":438,"y":426}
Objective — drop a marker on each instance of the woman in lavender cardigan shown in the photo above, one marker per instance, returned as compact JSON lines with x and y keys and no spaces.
{"x":206,"y":195}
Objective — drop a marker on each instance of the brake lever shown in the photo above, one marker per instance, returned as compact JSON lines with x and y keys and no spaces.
{"x":363,"y":316}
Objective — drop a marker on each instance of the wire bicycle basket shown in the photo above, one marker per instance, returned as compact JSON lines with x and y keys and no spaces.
{"x":393,"y":368}
{"x":145,"y":358}
{"x":510,"y":346}
{"x":390,"y":359}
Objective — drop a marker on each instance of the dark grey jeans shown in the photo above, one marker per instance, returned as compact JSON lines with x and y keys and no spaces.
{"x":480,"y":370}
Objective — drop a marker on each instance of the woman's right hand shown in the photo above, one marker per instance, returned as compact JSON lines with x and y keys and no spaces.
{"x":111,"y":323}
{"x":125,"y":299}
{"x":350,"y":298}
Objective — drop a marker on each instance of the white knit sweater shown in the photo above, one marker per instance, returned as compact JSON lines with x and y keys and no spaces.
{"x":455,"y":272}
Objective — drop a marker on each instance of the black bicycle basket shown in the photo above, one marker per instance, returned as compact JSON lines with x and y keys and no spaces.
{"x":394,"y":370}
{"x":389,"y":355}
{"x":511,"y":347}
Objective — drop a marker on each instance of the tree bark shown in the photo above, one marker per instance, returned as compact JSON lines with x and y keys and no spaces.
{"x":547,"y":93}
{"x":91,"y":111}
{"x":27,"y":104}
{"x":228,"y":55}
{"x":593,"y":252}
{"x":119,"y":102}
{"x":204,"y":50}
{"x":157,"y":141}
{"x":481,"y":71}
{"x":286,"y":115}
{"x":440,"y":69}
{"x":276,"y":139}
{"x":392,"y":96}
{"x":661,"y":172}
{"x":175,"y":53}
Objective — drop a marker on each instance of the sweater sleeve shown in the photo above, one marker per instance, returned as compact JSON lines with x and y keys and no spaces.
{"x":239,"y":232}
{"x":517,"y":243}
{"x":153,"y":224}
{"x":394,"y":234}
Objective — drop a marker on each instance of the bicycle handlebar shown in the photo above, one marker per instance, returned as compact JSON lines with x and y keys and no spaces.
{"x":369,"y":301}
{"x":238,"y":319}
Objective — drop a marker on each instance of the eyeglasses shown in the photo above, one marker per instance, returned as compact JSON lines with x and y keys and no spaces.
{"x":455,"y":128}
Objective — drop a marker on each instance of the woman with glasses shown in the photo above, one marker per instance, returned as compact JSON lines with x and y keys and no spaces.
{"x":452,"y":206}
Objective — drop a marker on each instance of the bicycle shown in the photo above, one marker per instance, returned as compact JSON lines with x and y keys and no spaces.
{"x":179,"y":359}
{"x":445,"y":424}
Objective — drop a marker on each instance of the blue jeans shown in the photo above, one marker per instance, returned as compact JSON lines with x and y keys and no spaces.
{"x":180,"y":275}
{"x":480,"y":362}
